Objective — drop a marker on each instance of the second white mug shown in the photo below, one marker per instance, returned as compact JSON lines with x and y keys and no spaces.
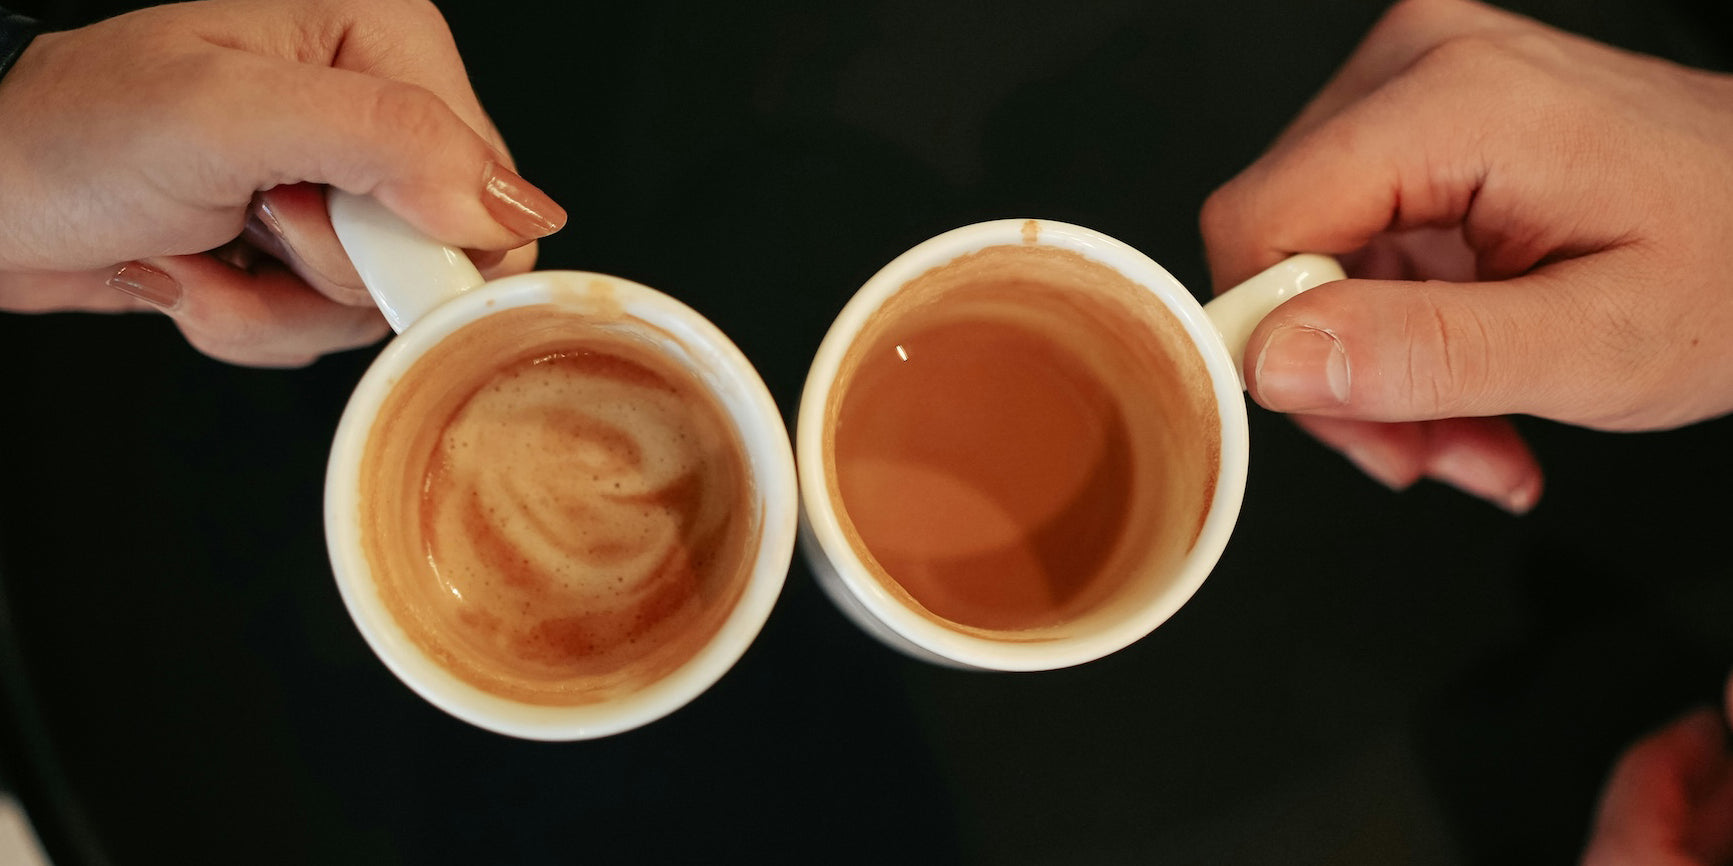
{"x":1022,"y":445}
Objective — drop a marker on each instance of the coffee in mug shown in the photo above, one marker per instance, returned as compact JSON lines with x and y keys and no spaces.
{"x":559,"y":505}
{"x":556,"y":513}
{"x":1011,"y":435}
{"x":1022,"y":444}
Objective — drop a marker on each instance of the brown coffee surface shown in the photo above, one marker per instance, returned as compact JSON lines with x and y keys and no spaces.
{"x":554,"y":511}
{"x":1020,"y":438}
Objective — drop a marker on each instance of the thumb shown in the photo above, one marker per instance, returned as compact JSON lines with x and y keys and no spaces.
{"x":1411,"y":351}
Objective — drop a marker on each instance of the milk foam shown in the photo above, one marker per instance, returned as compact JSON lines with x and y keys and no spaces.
{"x":570,"y":522}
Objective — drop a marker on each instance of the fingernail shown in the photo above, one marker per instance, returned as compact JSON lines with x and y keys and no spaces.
{"x":1471,"y":472}
{"x":1521,"y":500}
{"x":524,"y":210}
{"x":147,"y":284}
{"x":268,"y":216}
{"x":1301,"y":369}
{"x":265,"y":229}
{"x":256,"y":233}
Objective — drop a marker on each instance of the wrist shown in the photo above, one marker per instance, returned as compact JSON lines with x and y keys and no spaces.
{"x":16,"y":31}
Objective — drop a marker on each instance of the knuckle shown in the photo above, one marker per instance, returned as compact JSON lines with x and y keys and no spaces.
{"x":421,"y":17}
{"x":1466,"y":52}
{"x":414,"y":113}
{"x":416,"y":11}
{"x":1501,"y":63}
{"x":426,"y":15}
{"x":1630,"y":356}
{"x":1406,"y":16}
{"x":1518,"y":68}
{"x":1448,"y":364}
{"x":1218,"y":214}
{"x":1516,"y":82}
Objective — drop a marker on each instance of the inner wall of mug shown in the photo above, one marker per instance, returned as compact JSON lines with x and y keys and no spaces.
{"x":1170,"y":416}
{"x":688,"y":339}
{"x":456,"y":544}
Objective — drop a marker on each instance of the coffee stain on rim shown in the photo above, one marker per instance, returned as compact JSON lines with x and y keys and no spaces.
{"x":597,"y":298}
{"x":1031,"y":232}
{"x":606,"y":298}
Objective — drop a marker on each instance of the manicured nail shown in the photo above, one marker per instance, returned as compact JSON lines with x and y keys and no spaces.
{"x":1301,"y":369}
{"x":524,"y":210}
{"x":268,"y":215}
{"x":147,"y":284}
{"x":264,"y":229}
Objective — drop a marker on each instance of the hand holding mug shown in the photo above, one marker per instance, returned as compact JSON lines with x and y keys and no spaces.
{"x":1539,"y":225}
{"x":172,"y":154}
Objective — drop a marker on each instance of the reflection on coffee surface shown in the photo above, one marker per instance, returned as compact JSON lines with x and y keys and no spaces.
{"x":554,"y":511}
{"x":1017,"y":437}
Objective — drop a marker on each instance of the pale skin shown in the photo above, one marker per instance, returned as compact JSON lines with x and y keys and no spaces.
{"x":1565,"y":202}
{"x":174,"y":159}
{"x":1533,"y":223}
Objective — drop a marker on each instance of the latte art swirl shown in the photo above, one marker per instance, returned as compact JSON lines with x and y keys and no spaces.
{"x":565,"y":518}
{"x":572,"y":487}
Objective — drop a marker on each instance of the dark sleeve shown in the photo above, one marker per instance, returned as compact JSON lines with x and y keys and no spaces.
{"x":16,"y":31}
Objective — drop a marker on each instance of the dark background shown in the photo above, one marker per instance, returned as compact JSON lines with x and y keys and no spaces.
{"x":1367,"y":678}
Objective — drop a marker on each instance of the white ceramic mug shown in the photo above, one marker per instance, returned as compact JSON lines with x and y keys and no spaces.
{"x":1219,"y":331}
{"x":428,"y":291}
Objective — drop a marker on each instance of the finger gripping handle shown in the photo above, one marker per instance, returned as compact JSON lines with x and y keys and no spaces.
{"x":406,"y":272}
{"x":1237,"y":311}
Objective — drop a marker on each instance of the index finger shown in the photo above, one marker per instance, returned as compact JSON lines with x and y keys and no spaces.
{"x":1402,"y":157}
{"x":400,"y":40}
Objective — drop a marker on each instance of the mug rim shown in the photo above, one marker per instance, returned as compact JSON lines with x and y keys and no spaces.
{"x":750,"y":408}
{"x":925,"y":637}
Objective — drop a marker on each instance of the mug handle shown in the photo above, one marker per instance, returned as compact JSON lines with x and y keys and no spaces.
{"x":406,"y":272}
{"x":1237,"y":311}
